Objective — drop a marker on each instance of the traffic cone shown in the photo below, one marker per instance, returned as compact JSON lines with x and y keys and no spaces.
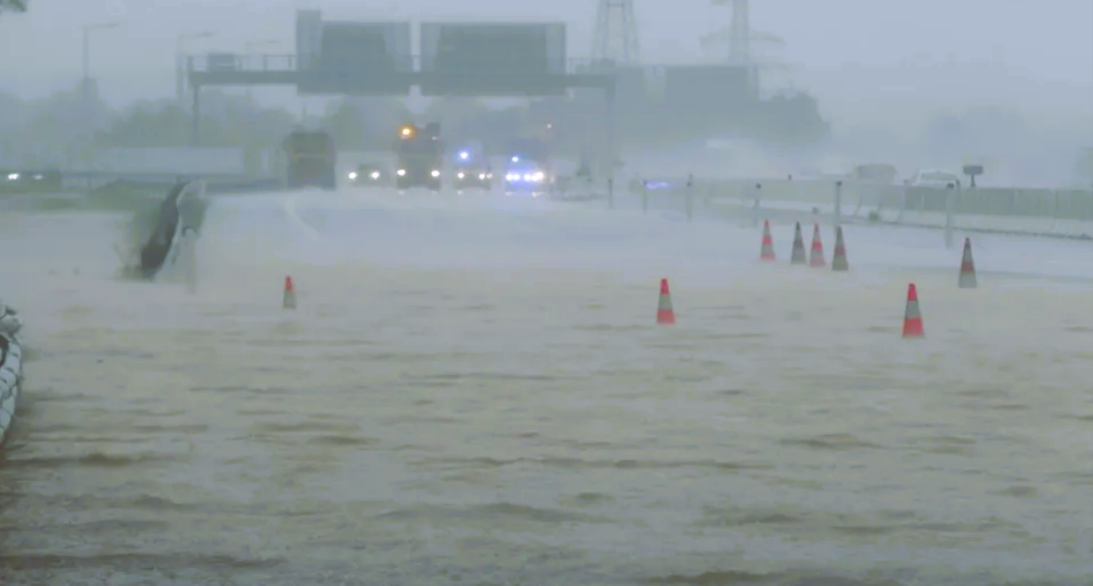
{"x":289,"y":299}
{"x":665,"y":315}
{"x":912,"y":318}
{"x":798,"y":256}
{"x":816,"y":257}
{"x":838,"y":262}
{"x":766,"y":254}
{"x":967,"y":267}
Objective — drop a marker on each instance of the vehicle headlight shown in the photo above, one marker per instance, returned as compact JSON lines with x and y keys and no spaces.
{"x":353,"y":175}
{"x":375,"y":174}
{"x":401,"y":172}
{"x":537,"y":176}
{"x":37,"y":177}
{"x":481,"y":175}
{"x":13,"y":176}
{"x":490,"y":175}
{"x":512,"y":177}
{"x":435,"y":173}
{"x":460,"y":175}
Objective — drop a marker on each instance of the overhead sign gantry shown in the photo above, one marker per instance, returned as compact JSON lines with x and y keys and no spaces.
{"x":375,"y":59}
{"x":488,"y":59}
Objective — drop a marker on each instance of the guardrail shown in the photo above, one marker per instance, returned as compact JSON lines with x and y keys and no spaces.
{"x":1070,"y":204}
{"x":1056,"y":212}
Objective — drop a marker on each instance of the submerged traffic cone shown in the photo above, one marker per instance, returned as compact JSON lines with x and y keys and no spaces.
{"x":665,"y":315}
{"x":912,"y":318}
{"x":798,"y":256}
{"x":967,"y":267}
{"x":816,"y":257}
{"x":838,"y":262}
{"x":289,"y":299}
{"x":766,"y":254}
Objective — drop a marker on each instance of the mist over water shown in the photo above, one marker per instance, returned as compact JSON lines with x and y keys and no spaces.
{"x":472,"y":390}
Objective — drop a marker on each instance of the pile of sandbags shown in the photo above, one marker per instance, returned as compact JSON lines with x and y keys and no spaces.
{"x":11,"y":367}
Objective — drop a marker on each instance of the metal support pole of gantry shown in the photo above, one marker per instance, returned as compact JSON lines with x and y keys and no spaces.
{"x":612,"y":159}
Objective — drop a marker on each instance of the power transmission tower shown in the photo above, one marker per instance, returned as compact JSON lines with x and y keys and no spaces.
{"x":741,"y":38}
{"x":616,"y":35}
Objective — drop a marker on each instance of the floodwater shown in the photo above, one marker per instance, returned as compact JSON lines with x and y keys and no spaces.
{"x":474,"y":392}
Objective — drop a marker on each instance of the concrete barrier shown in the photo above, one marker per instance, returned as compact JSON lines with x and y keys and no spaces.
{"x":11,"y":368}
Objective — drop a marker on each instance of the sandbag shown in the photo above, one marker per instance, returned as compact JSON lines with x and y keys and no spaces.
{"x":11,"y":368}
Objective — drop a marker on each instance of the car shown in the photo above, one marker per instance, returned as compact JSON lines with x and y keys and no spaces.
{"x":472,"y":177}
{"x":369,"y":174}
{"x":526,"y":176}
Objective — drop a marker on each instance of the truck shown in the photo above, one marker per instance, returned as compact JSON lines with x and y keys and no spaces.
{"x":312,"y":159}
{"x":420,"y":157}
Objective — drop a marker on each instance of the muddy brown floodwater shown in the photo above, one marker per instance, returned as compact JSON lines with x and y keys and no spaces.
{"x":429,"y":426}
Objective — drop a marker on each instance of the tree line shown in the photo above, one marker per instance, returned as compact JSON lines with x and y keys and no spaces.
{"x":68,"y":128}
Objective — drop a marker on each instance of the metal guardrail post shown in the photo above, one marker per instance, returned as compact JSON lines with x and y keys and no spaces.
{"x":610,"y":193}
{"x":644,"y":195}
{"x":838,"y":203}
{"x":755,"y":206}
{"x":950,"y":195}
{"x":191,"y":264}
{"x":688,"y":197}
{"x":1054,"y":208}
{"x":902,"y":202}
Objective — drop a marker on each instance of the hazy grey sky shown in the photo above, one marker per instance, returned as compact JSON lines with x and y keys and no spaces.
{"x":1046,"y":44}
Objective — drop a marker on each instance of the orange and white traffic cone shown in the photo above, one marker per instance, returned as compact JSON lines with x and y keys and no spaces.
{"x":766,"y":253}
{"x":289,"y":298}
{"x":967,"y":268}
{"x":838,"y":262}
{"x":665,"y":315}
{"x":912,"y":318}
{"x":798,"y":256}
{"x":816,"y":257}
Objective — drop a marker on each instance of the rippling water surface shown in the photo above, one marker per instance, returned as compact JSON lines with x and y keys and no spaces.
{"x":465,"y":424}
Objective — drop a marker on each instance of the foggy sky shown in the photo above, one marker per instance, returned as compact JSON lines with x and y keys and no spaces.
{"x":1040,"y":53}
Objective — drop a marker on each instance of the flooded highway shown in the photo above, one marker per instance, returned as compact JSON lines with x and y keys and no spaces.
{"x":474,"y":391}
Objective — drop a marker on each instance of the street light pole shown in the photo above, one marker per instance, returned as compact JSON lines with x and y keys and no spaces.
{"x":180,"y":73}
{"x":86,"y":53}
{"x":87,"y":44}
{"x":85,"y":83}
